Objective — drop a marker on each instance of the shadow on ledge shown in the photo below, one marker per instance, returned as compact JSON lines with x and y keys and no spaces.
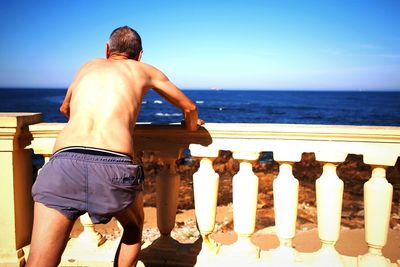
{"x":166,"y":251}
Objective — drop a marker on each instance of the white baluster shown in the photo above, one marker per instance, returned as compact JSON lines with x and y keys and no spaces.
{"x":245,"y":194}
{"x":46,"y":159}
{"x":378,"y":194}
{"x":89,"y":238}
{"x":286,"y":191}
{"x":205,"y":186}
{"x":329,"y":192}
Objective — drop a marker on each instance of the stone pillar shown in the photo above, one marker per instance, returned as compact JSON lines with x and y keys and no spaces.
{"x":205,"y":187}
{"x":16,"y":204}
{"x":89,"y":238}
{"x":286,"y":192}
{"x":167,"y":186}
{"x":329,"y":194}
{"x":165,"y":247}
{"x":46,"y":158}
{"x":245,"y":194}
{"x":378,"y":193}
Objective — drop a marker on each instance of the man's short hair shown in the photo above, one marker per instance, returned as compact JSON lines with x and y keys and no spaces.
{"x":125,"y":40}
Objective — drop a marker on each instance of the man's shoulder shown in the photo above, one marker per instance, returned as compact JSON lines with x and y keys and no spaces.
{"x":139,"y":64}
{"x":93,"y":62}
{"x":144,"y":67}
{"x":149,"y":68}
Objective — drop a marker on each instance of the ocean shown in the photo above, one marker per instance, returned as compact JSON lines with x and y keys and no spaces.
{"x":380,"y":108}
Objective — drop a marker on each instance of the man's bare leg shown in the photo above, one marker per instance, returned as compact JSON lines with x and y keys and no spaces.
{"x":131,"y":220}
{"x":50,"y":234}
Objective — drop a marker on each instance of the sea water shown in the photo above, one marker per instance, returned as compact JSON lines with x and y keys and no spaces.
{"x":380,"y":108}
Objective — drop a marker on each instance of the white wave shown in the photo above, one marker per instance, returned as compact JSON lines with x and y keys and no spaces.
{"x":157,"y":102}
{"x":144,"y":102}
{"x":199,"y":102}
{"x":160,"y":114}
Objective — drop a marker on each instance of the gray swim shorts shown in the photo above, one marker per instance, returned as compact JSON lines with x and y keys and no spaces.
{"x":79,"y":179}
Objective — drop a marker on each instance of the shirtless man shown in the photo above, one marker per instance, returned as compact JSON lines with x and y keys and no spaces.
{"x":91,"y":169}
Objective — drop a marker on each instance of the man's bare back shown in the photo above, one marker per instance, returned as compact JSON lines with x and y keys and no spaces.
{"x":104,"y":99}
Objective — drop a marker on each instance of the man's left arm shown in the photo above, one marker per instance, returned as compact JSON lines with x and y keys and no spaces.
{"x":64,"y":108}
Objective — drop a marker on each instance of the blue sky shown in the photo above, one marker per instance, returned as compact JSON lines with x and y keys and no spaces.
{"x":302,"y":44}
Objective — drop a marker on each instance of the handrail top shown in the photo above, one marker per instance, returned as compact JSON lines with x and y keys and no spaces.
{"x":253,"y":126}
{"x":275,"y":127}
{"x":389,"y":134}
{"x":331,"y":143}
{"x":18,"y":119}
{"x":305,"y":131}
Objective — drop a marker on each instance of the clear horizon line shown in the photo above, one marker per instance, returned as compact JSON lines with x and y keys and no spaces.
{"x":232,"y":89}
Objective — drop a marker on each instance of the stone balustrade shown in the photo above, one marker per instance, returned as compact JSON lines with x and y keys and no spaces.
{"x":379,"y":146}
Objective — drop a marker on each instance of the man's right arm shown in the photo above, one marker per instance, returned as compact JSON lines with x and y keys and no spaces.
{"x":163,"y":86}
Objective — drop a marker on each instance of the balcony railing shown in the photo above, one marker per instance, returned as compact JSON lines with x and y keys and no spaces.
{"x":379,"y":146}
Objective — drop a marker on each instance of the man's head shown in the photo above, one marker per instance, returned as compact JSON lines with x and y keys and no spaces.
{"x":125,"y":41}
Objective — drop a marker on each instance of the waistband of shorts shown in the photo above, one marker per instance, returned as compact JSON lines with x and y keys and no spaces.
{"x":92,"y":153}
